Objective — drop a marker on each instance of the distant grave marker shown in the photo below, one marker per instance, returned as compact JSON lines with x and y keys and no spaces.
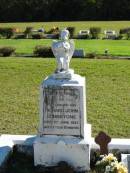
{"x":79,"y":53}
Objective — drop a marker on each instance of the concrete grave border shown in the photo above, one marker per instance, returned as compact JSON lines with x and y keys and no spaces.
{"x":8,"y":141}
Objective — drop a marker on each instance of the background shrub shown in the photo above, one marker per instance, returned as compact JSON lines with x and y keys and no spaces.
{"x":6,"y":51}
{"x":91,"y":55}
{"x":124,"y":30}
{"x":54,"y":30}
{"x":20,"y":36}
{"x":119,"y":37}
{"x":95,"y":32}
{"x":71,"y":31}
{"x":7,"y":32}
{"x":37,"y":36}
{"x":43,"y":51}
{"x":128,"y":35}
{"x":28,"y":31}
{"x":83,"y":36}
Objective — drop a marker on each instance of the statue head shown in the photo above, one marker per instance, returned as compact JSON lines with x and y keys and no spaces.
{"x":64,"y":35}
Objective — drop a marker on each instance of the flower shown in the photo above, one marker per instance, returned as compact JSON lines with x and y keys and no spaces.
{"x":110,"y":157}
{"x":121,"y":168}
{"x":98,"y":162}
{"x":108,"y":169}
{"x":110,"y":164}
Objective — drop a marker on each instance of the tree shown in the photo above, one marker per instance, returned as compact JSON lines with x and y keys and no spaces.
{"x":59,"y":10}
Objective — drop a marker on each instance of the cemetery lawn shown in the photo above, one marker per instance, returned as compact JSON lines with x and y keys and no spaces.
{"x":115,"y":47}
{"x":114,"y":25}
{"x":108,"y":94}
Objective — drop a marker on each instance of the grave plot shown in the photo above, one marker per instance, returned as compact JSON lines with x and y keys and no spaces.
{"x":63,"y":142}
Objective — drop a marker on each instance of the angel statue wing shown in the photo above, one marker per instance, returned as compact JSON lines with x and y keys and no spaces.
{"x":72,"y":48}
{"x":54,"y":47}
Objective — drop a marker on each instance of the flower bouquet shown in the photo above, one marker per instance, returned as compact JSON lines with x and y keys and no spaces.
{"x":109,"y":164}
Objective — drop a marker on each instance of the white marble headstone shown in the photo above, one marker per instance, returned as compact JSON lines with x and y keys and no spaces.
{"x":63,"y":106}
{"x":64,"y":134}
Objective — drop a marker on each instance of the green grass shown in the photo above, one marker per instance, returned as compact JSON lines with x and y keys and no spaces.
{"x":115,"y":47}
{"x":108,"y":94}
{"x":24,"y":45}
{"x":116,"y":25}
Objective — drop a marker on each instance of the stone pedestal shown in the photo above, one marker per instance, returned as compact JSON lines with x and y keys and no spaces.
{"x":49,"y":150}
{"x":64,"y":134}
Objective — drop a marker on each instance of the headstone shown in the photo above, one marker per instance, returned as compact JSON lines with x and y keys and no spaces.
{"x":63,"y":108}
{"x":84,"y":32}
{"x":79,"y":53}
{"x":110,"y":34}
{"x":102,"y":139}
{"x":125,"y":159}
{"x":64,"y":134}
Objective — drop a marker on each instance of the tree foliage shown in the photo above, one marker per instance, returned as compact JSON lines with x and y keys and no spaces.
{"x":59,"y":10}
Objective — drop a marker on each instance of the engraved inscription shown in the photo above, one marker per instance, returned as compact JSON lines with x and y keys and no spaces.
{"x":61,"y":111}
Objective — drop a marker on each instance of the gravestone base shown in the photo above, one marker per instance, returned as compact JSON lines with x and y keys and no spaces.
{"x":49,"y":150}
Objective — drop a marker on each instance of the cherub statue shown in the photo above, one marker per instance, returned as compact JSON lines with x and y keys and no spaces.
{"x":63,"y":51}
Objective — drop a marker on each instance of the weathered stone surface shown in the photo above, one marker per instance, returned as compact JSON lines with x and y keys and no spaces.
{"x":63,"y":106}
{"x":73,"y":150}
{"x":61,"y":110}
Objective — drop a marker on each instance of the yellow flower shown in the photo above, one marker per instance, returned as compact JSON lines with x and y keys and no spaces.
{"x":110,"y":157}
{"x":121,"y":168}
{"x":111,"y":164}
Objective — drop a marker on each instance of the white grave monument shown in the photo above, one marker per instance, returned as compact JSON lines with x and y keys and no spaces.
{"x":110,"y":34}
{"x":125,"y":158}
{"x":64,"y":134}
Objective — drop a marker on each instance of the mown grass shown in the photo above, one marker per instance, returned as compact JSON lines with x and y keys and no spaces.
{"x":108,"y":94}
{"x":116,"y":25}
{"x":115,"y":47}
